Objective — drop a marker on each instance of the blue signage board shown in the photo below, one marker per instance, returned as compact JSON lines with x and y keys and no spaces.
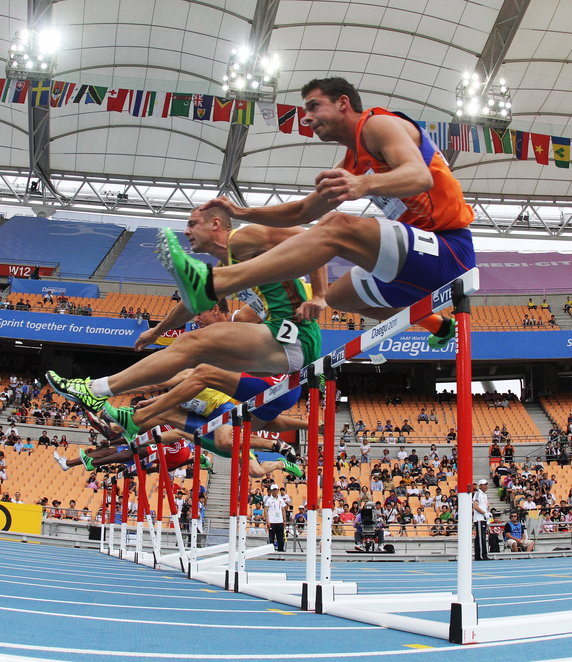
{"x":56,"y":287}
{"x":73,"y":329}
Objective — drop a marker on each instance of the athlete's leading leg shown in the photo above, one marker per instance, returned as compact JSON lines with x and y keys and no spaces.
{"x":351,"y":237}
{"x":236,"y":346}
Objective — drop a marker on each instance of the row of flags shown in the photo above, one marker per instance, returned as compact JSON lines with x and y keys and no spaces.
{"x":485,"y":139}
{"x":206,"y":107}
{"x":145,"y":103}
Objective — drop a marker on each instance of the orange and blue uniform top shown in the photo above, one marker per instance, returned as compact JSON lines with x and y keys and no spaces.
{"x":441,"y":208}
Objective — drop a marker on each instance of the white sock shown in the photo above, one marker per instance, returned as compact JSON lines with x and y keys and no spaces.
{"x":100,"y":387}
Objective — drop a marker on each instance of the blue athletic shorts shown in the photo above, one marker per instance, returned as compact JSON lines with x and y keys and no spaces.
{"x":249,"y":386}
{"x":195,"y":421}
{"x":415,"y":263}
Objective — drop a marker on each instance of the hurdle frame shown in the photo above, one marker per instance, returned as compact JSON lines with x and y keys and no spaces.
{"x":387,"y":610}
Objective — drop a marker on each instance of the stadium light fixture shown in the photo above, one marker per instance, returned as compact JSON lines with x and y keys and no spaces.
{"x":32,"y":55}
{"x":250,"y":75}
{"x":483,"y":103}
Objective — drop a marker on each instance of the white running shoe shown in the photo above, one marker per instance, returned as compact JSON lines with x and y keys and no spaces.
{"x":61,"y":461}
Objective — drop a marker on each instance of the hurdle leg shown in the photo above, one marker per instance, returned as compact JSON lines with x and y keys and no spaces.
{"x":103,"y":515}
{"x":240,"y":572}
{"x":159,"y":523}
{"x":195,"y":515}
{"x":464,"y":610}
{"x":309,"y":585}
{"x":124,"y":512}
{"x":233,"y":504}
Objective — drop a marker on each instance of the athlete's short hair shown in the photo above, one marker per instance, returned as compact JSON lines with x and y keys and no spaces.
{"x":334,"y":88}
{"x":217,"y":212}
{"x":223,"y":305}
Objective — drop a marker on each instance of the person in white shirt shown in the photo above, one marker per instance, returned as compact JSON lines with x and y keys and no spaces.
{"x":275,"y":516}
{"x":402,"y":454}
{"x":17,"y":498}
{"x":481,"y":515}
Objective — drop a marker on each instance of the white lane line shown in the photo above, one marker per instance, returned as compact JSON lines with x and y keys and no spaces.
{"x":151,"y":608}
{"x":532,"y":595}
{"x":82,"y":573}
{"x":144,"y":595}
{"x":79,"y":583}
{"x":525,"y":602}
{"x":214,"y":626}
{"x":288,"y":656}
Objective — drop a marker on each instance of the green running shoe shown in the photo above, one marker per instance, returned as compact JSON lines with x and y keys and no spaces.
{"x":191,"y":275}
{"x":123,"y":416}
{"x":437,"y":342}
{"x":76,"y":390}
{"x":87,"y":461}
{"x":291,"y":468}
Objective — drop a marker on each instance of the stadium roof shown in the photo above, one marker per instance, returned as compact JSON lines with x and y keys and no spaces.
{"x":407,"y":55}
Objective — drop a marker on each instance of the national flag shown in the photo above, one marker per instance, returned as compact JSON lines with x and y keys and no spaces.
{"x":40,"y":92}
{"x":181,"y":105}
{"x":141,"y":103}
{"x":90,"y":94}
{"x":61,"y":93}
{"x":20,"y":91}
{"x":286,"y":115}
{"x":502,"y":144}
{"x":243,"y":112}
{"x":476,"y":141}
{"x":222,"y":109}
{"x":6,"y":89}
{"x":459,"y":136}
{"x":561,"y":151}
{"x":116,"y":99}
{"x":303,"y":128}
{"x":202,"y":106}
{"x":268,"y":112}
{"x":520,"y":144}
{"x":439,"y":133}
{"x":163,"y":104}
{"x":540,"y":144}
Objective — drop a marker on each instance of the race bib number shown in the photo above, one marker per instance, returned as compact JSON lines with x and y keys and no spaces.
{"x":425,"y":242}
{"x":288,"y":332}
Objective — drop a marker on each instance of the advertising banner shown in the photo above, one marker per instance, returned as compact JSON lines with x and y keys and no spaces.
{"x":56,"y":287}
{"x":20,"y":518}
{"x":23,"y":270}
{"x":485,"y":345}
{"x":74,"y":329}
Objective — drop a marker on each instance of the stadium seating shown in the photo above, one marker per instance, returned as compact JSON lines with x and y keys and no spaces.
{"x":138,"y":261}
{"x":77,"y":247}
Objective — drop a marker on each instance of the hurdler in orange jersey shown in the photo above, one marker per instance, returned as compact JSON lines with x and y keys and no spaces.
{"x":419,"y":242}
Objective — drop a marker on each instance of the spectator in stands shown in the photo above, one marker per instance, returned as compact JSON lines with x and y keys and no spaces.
{"x":515,"y":536}
{"x":504,"y":433}
{"x":433,"y":418}
{"x":437,"y":529}
{"x":390,"y":438}
{"x":568,"y":304}
{"x":176,"y":296}
{"x":413,"y":458}
{"x":347,"y":515}
{"x":552,"y":321}
{"x":527,"y":321}
{"x":44,"y":440}
{"x":351,"y":324}
{"x":365,"y":450}
{"x":123,"y":312}
{"x":64,"y":442}
{"x":337,"y":527}
{"x":508,"y":451}
{"x":335,"y":316}
{"x":17,"y":498}
{"x":406,"y":428}
{"x":146,"y":315}
{"x":545,"y":305}
{"x":362,"y":323}
{"x":3,"y":475}
{"x":360,"y":426}
{"x":353,"y":485}
{"x":496,"y":433}
{"x":531,"y":305}
{"x":48,"y":297}
{"x":495,"y":450}
{"x":423,"y":416}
